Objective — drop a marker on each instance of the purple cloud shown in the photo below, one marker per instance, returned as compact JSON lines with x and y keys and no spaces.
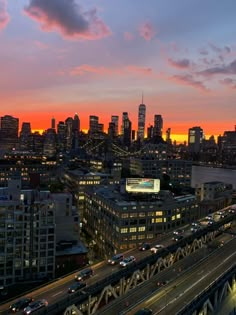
{"x":203,"y":52}
{"x":68,"y":18}
{"x":4,"y":16}
{"x":180,"y":64}
{"x":188,"y":79}
{"x":223,"y":69}
{"x":229,"y":82}
{"x":147,"y":31}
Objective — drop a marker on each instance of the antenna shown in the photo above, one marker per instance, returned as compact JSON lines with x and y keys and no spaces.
{"x":142,"y":97}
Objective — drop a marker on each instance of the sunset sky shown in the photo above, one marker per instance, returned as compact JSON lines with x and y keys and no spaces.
{"x":59,"y":57}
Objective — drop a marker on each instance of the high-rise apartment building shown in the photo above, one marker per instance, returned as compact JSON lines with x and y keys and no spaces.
{"x":115,"y":121}
{"x":158,"y":126}
{"x":27,"y":234}
{"x":9,"y":127}
{"x":195,"y":138}
{"x":141,"y":122}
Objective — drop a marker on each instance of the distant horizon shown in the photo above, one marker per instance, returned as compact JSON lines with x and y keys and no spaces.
{"x":179,"y":56}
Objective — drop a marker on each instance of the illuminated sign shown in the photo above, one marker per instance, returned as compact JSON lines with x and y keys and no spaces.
{"x":143,"y":185}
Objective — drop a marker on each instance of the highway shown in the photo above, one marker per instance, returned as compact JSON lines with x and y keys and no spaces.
{"x":153,"y":286}
{"x":56,"y":290}
{"x":183,"y":289}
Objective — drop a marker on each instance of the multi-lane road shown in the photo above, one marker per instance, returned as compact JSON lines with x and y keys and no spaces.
{"x":182,"y":290}
{"x":57,"y":290}
{"x":148,"y":292}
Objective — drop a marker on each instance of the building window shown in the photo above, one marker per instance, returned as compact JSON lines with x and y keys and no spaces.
{"x":133,"y":229}
{"x":124,"y":230}
{"x":141,"y":228}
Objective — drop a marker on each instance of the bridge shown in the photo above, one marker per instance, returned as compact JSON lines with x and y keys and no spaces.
{"x":123,"y":281}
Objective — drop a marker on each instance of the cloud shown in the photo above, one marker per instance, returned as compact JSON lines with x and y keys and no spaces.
{"x":86,"y":69}
{"x":179,"y":64}
{"x":147,"y":31}
{"x":225,"y":49}
{"x":68,"y":18}
{"x":223,"y":69}
{"x":203,"y":52}
{"x":128,"y":36}
{"x":4,"y":16}
{"x":40,"y":45}
{"x":188,"y":79}
{"x":229,"y":82}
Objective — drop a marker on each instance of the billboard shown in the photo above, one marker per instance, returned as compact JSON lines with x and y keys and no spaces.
{"x":142,"y":185}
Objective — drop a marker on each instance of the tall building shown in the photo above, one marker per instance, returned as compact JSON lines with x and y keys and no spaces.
{"x":69,"y":133}
{"x":93,"y":124}
{"x":115,"y":121}
{"x":27,"y":237}
{"x":61,"y":136}
{"x":53,"y":123}
{"x":141,"y":121}
{"x":195,"y":138}
{"x":124,"y":118}
{"x":168,"y":133}
{"x":158,"y":126}
{"x":9,"y":127}
{"x":25,"y":136}
{"x":127,"y":130}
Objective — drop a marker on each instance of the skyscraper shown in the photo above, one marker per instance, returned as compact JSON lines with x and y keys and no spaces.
{"x":141,"y":121}
{"x":93,"y":124}
{"x":124,"y":118}
{"x":115,"y":121}
{"x":9,"y":132}
{"x":158,"y":125}
{"x":195,"y":137}
{"x":53,"y":123}
{"x":127,"y":129}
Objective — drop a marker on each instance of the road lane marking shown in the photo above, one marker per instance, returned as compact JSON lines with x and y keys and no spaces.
{"x":57,"y":293}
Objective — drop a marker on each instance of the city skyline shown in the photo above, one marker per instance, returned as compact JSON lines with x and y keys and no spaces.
{"x":182,"y":57}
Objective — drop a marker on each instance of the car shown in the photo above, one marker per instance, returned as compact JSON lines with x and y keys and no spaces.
{"x":127,"y":261}
{"x":177,"y":238}
{"x":223,"y":215}
{"x":220,"y":212}
{"x":84,"y":274}
{"x":144,"y":311}
{"x":195,"y":229}
{"x":210,"y":222}
{"x":209,"y":217}
{"x":156,"y":248}
{"x":20,"y":304}
{"x":178,"y":232}
{"x":144,"y":246}
{"x":116,"y":259}
{"x":231,"y":210}
{"x":34,"y":306}
{"x":76,"y":287}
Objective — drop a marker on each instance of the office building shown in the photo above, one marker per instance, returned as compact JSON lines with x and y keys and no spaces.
{"x":195,"y":138}
{"x":141,"y":122}
{"x":127,"y":130}
{"x":24,"y":136}
{"x":115,"y":121}
{"x":158,"y":126}
{"x":53,"y":123}
{"x":118,"y":221}
{"x":93,"y":124}
{"x":9,"y":127}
